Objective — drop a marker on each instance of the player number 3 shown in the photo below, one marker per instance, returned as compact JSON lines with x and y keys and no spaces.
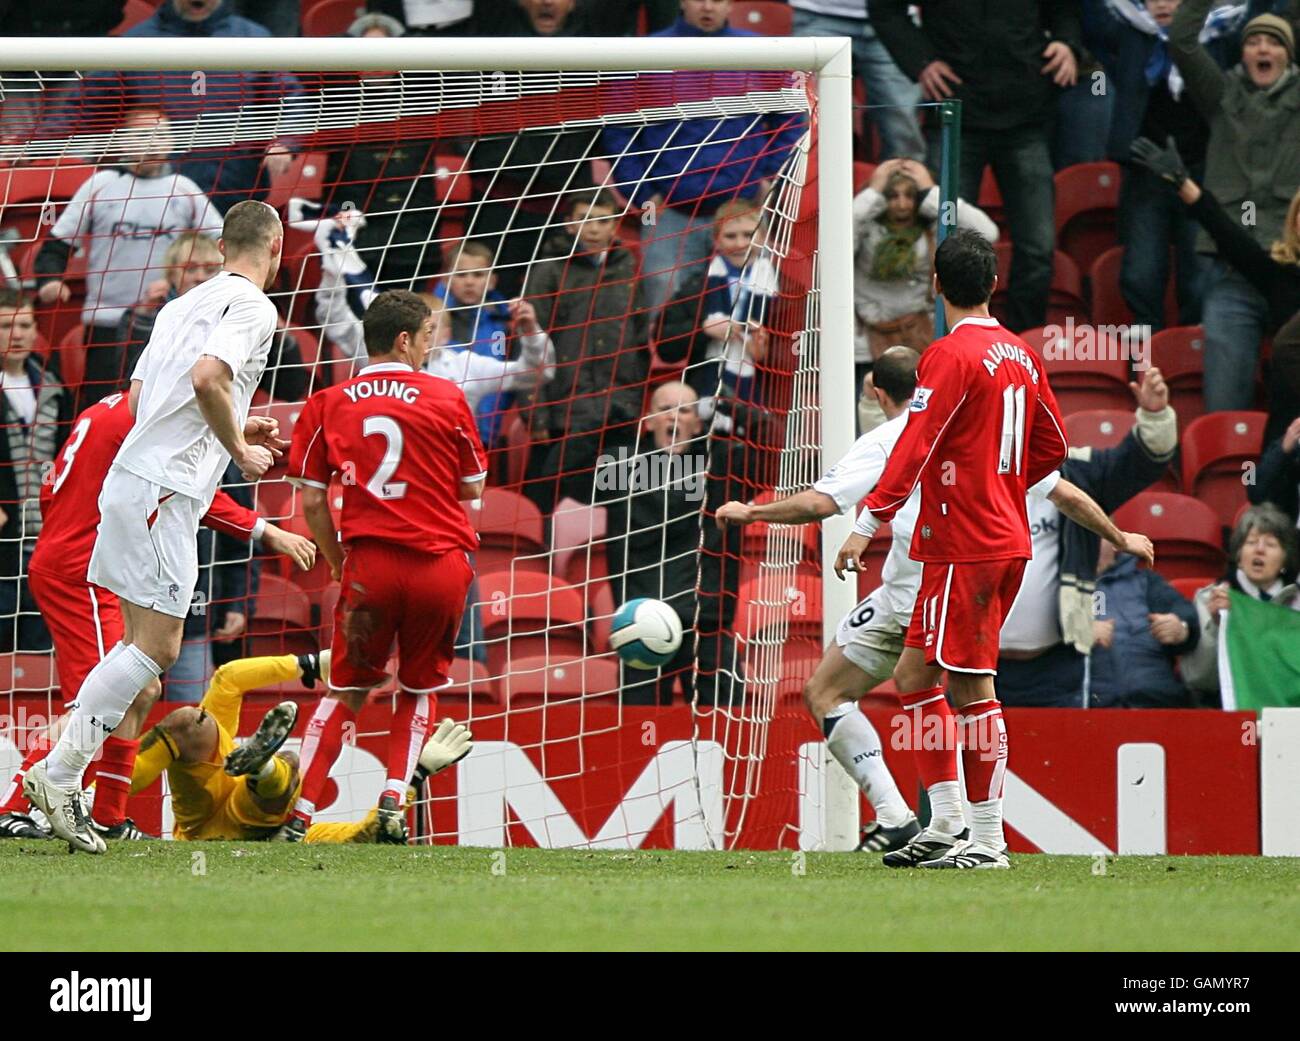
{"x":379,"y":485}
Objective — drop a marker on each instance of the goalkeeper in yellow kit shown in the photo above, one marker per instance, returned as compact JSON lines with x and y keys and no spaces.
{"x":223,"y":791}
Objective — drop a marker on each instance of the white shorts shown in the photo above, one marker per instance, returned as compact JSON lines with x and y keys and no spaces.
{"x":871,"y":637}
{"x":146,"y":550}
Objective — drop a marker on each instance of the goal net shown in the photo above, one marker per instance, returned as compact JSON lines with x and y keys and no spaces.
{"x":634,"y":254}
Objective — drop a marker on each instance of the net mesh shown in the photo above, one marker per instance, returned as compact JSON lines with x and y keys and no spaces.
{"x":678,"y":375}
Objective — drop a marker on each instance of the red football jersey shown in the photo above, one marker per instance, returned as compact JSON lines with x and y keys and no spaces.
{"x":983,"y":427}
{"x":402,"y":443}
{"x":70,"y":494}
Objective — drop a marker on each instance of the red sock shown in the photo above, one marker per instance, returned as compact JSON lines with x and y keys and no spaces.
{"x":407,"y":732}
{"x":321,"y":745}
{"x":113,"y":780}
{"x":933,"y":735}
{"x":14,"y":800}
{"x":984,"y":750}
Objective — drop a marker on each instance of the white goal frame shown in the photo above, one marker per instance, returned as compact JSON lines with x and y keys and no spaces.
{"x":826,"y":58}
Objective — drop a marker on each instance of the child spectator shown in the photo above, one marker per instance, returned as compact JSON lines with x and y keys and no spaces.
{"x":484,"y":378}
{"x":715,"y":320}
{"x":585,"y":291}
{"x":35,"y":410}
{"x":1143,"y":624}
{"x":125,"y":217}
{"x":1262,"y":565}
{"x":894,"y":220}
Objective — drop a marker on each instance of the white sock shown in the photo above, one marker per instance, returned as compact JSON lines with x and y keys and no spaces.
{"x":854,"y":743}
{"x":101,"y":703}
{"x":946,"y":815}
{"x":986,"y":824}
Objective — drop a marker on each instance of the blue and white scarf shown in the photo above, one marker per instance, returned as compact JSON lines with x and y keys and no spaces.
{"x":1220,"y":22}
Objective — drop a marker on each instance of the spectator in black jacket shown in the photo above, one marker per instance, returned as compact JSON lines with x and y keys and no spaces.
{"x":1277,"y":480}
{"x":654,"y":496}
{"x":1143,"y":623}
{"x":1272,"y":273}
{"x":1049,"y":632}
{"x":1007,"y":63}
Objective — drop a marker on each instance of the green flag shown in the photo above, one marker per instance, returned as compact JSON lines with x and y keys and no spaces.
{"x":1259,"y":654}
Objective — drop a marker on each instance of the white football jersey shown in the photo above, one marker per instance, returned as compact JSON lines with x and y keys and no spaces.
{"x":171,"y":444}
{"x":849,"y":481}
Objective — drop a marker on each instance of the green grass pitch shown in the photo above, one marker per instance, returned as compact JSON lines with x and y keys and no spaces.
{"x":242,"y":896}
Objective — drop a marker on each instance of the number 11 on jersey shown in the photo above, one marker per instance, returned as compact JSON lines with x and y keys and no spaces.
{"x":1013,"y":429}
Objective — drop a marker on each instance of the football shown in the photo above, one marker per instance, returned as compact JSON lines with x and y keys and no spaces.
{"x":646,"y":633}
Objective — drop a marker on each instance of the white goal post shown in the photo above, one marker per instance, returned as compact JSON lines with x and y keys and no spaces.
{"x":827,"y":60}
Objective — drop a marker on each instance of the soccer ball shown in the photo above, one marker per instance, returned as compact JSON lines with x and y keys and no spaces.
{"x":646,"y":633}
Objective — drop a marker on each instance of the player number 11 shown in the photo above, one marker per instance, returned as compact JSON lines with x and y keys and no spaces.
{"x":1013,"y":428}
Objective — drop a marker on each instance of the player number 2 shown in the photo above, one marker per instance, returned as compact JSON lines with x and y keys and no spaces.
{"x":379,"y":485}
{"x":1013,"y":429}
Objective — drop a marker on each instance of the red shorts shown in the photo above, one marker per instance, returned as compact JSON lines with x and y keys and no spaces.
{"x":392,"y":593}
{"x":85,"y":621}
{"x":960,"y":610}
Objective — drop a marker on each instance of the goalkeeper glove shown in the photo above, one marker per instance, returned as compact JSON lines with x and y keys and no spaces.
{"x":450,"y":743}
{"x":1165,"y":162}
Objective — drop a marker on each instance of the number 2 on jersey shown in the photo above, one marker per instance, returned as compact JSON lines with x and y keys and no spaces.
{"x":379,"y":485}
{"x":1013,"y":429}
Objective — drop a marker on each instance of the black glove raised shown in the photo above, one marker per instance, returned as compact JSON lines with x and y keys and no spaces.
{"x":1165,"y":162}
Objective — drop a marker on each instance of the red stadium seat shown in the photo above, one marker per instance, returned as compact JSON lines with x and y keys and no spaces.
{"x":510,"y":532}
{"x":135,"y":12}
{"x":1107,"y":302}
{"x":862,"y":174}
{"x":72,"y":356}
{"x":303,"y":180}
{"x":525,"y":613}
{"x":877,"y":552}
{"x":331,"y":17}
{"x":573,"y":528}
{"x":558,"y":678}
{"x":28,"y":673}
{"x":470,"y":679}
{"x":767,"y":18}
{"x":1189,"y":586}
{"x":1099,"y":427}
{"x":1179,"y":354}
{"x":281,"y":622}
{"x":1218,"y":451}
{"x":799,"y":661}
{"x":764,"y":603}
{"x":54,"y":181}
{"x":1065,"y":300}
{"x":1087,"y":198}
{"x":275,"y":500}
{"x":1079,"y":378}
{"x":510,"y":463}
{"x":1186,"y":532}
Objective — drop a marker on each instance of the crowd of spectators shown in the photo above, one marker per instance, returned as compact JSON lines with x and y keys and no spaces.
{"x":619,"y":311}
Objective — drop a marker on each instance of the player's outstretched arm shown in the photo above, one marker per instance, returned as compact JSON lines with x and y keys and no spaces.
{"x":212,"y":378}
{"x":316,"y":508}
{"x":806,"y":507}
{"x":1081,"y":508}
{"x":301,"y":550}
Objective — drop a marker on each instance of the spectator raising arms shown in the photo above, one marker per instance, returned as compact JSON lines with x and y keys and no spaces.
{"x":894,"y":221}
{"x":1262,"y":565}
{"x":1254,"y":116}
{"x":1006,"y":63}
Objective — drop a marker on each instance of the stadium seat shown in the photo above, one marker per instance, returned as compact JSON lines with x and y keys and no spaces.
{"x":35,"y":185}
{"x":331,"y":17}
{"x":798,"y":662}
{"x":510,"y":532}
{"x":765,"y":602}
{"x":1179,"y":354}
{"x":470,"y":679}
{"x":573,"y":527}
{"x":525,"y":613}
{"x":303,"y":180}
{"x":990,"y":199}
{"x":24,"y":673}
{"x":862,"y":174}
{"x":1079,"y":379}
{"x":877,"y":551}
{"x":766,"y":18}
{"x":1186,"y":532}
{"x":1107,"y":306}
{"x":135,"y":12}
{"x":281,"y":620}
{"x":72,"y":356}
{"x":600,"y":611}
{"x":510,"y":463}
{"x":1087,"y":198}
{"x":1098,"y":427}
{"x":1189,"y":586}
{"x":557,"y":678}
{"x":1065,"y":300}
{"x":275,"y":500}
{"x":1216,"y":449}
